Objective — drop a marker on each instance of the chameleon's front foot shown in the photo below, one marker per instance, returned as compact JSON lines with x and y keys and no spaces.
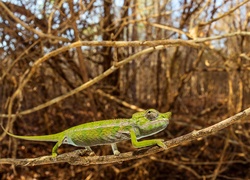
{"x":145,"y":143}
{"x":160,"y":143}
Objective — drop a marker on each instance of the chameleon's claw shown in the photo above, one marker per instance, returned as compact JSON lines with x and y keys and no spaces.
{"x":91,"y":152}
{"x":117,"y":153}
{"x":160,"y":143}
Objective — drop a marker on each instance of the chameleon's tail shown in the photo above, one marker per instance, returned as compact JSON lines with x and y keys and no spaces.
{"x":52,"y":137}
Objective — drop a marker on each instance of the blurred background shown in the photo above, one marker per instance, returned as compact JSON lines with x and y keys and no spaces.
{"x":201,"y":86}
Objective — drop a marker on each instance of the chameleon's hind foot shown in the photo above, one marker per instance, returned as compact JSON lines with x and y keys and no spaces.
{"x":115,"y":149}
{"x":90,"y":151}
{"x":116,"y":152}
{"x":54,"y":154}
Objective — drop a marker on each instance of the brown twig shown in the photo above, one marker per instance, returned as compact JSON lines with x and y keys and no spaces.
{"x":225,"y":14}
{"x":119,"y":101}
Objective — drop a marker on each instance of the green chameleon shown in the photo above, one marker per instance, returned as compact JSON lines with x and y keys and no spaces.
{"x":142,"y":124}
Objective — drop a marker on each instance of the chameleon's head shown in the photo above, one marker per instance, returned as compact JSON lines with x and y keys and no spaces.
{"x":151,"y":121}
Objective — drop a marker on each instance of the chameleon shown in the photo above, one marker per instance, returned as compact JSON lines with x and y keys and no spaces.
{"x":141,"y":124}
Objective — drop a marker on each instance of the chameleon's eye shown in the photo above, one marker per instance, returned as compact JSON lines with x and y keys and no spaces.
{"x":151,"y":114}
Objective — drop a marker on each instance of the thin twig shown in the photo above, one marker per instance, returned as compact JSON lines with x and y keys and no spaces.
{"x":124,"y":103}
{"x":225,"y":14}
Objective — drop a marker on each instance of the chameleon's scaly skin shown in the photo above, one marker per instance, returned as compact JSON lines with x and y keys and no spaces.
{"x":142,"y":124}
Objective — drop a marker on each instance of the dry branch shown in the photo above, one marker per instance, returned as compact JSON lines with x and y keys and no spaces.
{"x":28,"y":74}
{"x":155,"y":45}
{"x":75,"y":158}
{"x":225,"y":14}
{"x":39,"y":33}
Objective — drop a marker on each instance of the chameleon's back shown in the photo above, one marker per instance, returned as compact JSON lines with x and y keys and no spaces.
{"x":99,"y":132}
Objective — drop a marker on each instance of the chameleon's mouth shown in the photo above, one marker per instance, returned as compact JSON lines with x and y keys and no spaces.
{"x":166,"y":115}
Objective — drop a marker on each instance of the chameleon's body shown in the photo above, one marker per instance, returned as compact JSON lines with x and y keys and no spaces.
{"x":142,"y":124}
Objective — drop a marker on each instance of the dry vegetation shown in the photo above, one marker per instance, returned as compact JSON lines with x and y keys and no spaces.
{"x":64,"y":63}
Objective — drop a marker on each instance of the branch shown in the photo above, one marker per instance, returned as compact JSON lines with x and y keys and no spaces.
{"x":75,"y":157}
{"x":225,"y":14}
{"x":26,"y":26}
{"x":121,"y":102}
{"x":28,"y":74}
{"x":154,"y":45}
